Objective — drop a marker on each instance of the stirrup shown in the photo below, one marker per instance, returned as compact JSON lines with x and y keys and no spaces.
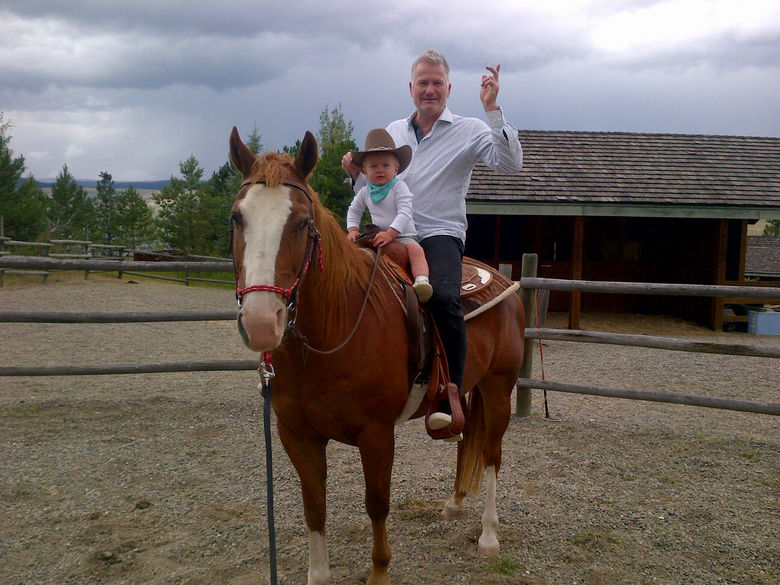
{"x":439,"y":420}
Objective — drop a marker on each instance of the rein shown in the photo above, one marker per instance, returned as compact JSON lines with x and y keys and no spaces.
{"x":305,"y":342}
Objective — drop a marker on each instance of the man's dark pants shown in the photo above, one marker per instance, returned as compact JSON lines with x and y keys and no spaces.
{"x":444,"y":255}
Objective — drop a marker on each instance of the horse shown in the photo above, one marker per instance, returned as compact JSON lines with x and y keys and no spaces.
{"x":314,"y":301}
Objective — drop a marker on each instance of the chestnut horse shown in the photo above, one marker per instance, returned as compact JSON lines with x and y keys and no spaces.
{"x":338,"y":341}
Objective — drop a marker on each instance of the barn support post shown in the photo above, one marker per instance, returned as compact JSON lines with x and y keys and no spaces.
{"x":575,"y":306}
{"x":718,"y":304}
{"x":528,"y":295}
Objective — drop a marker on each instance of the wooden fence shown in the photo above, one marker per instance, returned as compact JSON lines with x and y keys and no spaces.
{"x":102,"y":258}
{"x":524,"y":384}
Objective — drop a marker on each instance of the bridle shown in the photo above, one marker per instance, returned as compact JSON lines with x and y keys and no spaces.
{"x":313,"y":251}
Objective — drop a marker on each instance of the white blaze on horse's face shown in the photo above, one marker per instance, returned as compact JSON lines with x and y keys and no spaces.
{"x":263,"y":314}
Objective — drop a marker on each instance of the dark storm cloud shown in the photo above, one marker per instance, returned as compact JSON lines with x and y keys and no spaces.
{"x":134,"y":87}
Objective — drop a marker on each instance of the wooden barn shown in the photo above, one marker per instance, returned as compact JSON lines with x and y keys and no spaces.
{"x":629,"y":207}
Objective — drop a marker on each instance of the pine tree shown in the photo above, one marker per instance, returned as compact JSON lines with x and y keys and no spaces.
{"x":22,"y":203}
{"x":71,"y":213}
{"x":772,"y":227}
{"x":135,"y":222}
{"x":183,"y":218}
{"x":328,"y":178}
{"x":255,"y":141}
{"x":105,"y":206}
{"x":221,"y":189}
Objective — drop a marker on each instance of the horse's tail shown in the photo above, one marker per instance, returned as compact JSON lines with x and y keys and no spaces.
{"x":471,"y":460}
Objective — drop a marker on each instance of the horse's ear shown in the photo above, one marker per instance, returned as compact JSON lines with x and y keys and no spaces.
{"x":240,"y":155}
{"x":308,"y":155}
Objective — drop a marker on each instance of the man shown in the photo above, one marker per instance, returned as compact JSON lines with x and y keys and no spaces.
{"x":446,"y":147}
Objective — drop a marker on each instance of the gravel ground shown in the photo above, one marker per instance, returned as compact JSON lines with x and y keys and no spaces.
{"x":159,"y":478}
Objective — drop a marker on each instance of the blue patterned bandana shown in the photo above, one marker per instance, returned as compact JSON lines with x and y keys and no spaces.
{"x":379,"y":192}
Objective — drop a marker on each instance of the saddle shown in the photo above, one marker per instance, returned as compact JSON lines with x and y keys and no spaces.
{"x":427,"y":360}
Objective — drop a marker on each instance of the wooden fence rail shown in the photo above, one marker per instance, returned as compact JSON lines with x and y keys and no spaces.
{"x":525,"y":383}
{"x":112,"y":317}
{"x":655,"y":396}
{"x":45,"y":263}
{"x":209,"y":366}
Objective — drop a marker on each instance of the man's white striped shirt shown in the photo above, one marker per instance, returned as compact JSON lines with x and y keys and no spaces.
{"x":442,"y":161}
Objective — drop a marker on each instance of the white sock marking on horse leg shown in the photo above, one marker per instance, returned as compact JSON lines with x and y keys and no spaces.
{"x":319,"y":570}
{"x":488,"y":541}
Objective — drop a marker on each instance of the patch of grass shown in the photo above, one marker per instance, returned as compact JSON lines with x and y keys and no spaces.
{"x":23,"y":489}
{"x":413,"y":509}
{"x":195,"y":278}
{"x":595,"y":539}
{"x":503,"y":565}
{"x":26,"y":409}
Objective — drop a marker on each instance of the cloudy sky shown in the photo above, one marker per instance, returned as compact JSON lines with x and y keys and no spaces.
{"x":135,"y":87}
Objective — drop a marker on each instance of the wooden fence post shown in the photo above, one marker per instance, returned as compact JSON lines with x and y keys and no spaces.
{"x":523,"y":397}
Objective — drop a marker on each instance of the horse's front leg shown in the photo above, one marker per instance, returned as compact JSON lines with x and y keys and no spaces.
{"x":308,"y":458}
{"x":376,"y":453}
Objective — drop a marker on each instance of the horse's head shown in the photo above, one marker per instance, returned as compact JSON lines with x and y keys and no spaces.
{"x":274,"y":237}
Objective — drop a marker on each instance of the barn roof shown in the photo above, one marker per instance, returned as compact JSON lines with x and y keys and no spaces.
{"x":762,"y":256}
{"x":635,"y":175}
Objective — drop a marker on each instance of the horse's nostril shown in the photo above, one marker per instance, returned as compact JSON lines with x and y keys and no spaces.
{"x":242,"y":331}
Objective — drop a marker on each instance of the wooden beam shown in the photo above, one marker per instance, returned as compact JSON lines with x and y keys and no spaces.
{"x":575,"y":304}
{"x":717,"y":304}
{"x":497,"y":239}
{"x":528,"y":296}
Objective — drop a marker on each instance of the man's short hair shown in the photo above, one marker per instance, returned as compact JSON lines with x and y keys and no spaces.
{"x":432,"y":56}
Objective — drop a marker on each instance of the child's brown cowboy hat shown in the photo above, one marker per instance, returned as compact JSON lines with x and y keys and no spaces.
{"x":378,"y":140}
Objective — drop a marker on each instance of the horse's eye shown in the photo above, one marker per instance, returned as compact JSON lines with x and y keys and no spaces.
{"x":304,"y":224}
{"x":235,"y":219}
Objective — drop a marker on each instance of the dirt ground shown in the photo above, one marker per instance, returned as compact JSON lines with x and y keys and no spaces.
{"x":160,"y":478}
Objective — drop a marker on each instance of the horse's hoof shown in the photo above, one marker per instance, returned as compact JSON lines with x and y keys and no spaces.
{"x":453,"y":510}
{"x":488,"y":547}
{"x":378,"y":578}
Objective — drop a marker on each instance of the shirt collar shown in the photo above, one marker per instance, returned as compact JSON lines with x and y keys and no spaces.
{"x":446,"y":116}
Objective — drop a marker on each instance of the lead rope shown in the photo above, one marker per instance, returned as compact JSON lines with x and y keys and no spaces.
{"x":266,"y":370}
{"x":541,"y":355}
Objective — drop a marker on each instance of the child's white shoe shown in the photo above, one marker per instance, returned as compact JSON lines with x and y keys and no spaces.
{"x":422,"y":288}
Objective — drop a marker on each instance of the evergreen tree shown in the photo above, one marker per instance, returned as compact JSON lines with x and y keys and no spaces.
{"x":292,"y":151}
{"x":255,"y":141}
{"x":135,"y":222}
{"x":71,"y":213}
{"x":105,"y":206}
{"x":772,"y":227}
{"x":328,"y":178}
{"x":222,"y":189}
{"x":183,"y":217}
{"x":22,"y":203}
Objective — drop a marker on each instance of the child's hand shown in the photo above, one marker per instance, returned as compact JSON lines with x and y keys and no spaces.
{"x":352,"y":234}
{"x":383,"y":238}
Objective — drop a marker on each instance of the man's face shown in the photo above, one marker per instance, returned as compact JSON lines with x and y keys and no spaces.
{"x":430,"y":89}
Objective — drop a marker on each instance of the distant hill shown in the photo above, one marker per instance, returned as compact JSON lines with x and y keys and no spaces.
{"x":119,"y":185}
